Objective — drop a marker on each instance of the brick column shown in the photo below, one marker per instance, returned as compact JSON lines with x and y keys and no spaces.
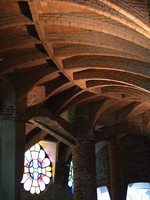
{"x":84,"y":170}
{"x":11,"y":143}
{"x":117,"y":187}
{"x":84,"y":164}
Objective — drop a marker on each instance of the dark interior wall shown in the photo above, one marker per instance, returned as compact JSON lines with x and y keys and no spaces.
{"x":102,"y":164}
{"x":133,"y":160}
{"x":53,"y":192}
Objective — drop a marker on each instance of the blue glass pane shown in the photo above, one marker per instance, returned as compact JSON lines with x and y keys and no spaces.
{"x":39,"y":175}
{"x":31,"y":164}
{"x":39,"y":164}
{"x":72,"y":189}
{"x":32,"y":175}
{"x":39,"y":168}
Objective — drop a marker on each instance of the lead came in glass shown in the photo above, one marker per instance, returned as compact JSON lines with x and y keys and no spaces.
{"x":37,"y":170}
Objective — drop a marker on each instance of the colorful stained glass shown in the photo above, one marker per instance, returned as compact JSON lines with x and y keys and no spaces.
{"x":70,"y":178}
{"x":37,"y":170}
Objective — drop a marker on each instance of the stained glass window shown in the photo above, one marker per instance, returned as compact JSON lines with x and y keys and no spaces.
{"x":70,"y":179}
{"x":37,"y":170}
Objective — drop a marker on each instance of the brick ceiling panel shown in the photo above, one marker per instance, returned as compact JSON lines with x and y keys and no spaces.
{"x":67,"y":52}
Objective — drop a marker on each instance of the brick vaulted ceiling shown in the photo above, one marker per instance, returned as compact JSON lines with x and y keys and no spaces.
{"x":68,"y":52}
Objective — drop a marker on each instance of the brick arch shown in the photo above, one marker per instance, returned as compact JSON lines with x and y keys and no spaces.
{"x":136,"y":94}
{"x":107,"y":62}
{"x":128,"y":95}
{"x":70,"y":50}
{"x":94,"y":38}
{"x":134,"y":20}
{"x":96,"y":25}
{"x":137,"y":81}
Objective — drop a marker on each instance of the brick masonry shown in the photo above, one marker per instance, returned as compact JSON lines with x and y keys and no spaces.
{"x":133,"y":162}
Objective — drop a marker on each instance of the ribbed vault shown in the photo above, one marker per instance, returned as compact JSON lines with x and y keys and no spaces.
{"x":74,"y":51}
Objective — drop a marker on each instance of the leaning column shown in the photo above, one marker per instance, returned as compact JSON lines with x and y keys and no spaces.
{"x":12,"y":137}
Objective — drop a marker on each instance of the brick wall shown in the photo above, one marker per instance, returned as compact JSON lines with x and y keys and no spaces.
{"x":133,"y":160}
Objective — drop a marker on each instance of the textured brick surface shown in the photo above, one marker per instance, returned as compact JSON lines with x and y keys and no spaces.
{"x":84,"y":166}
{"x":129,"y":164}
{"x":69,"y":52}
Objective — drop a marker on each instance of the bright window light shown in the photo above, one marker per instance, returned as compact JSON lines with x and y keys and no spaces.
{"x":102,"y":193}
{"x":70,"y":178}
{"x":37,"y":170}
{"x":138,"y":191}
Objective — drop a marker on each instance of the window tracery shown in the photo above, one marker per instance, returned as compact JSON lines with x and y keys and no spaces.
{"x":37,"y":170}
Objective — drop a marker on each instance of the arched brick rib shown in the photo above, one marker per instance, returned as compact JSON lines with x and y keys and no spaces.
{"x":102,"y":83}
{"x":99,"y":24}
{"x":137,"y":95}
{"x":107,"y":62}
{"x":139,"y":109}
{"x":21,"y":58}
{"x":71,"y":50}
{"x":122,"y":77}
{"x":13,"y":20}
{"x":9,"y":41}
{"x":123,"y":15}
{"x":89,"y":37}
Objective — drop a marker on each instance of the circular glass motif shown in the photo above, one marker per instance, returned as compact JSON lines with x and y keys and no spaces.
{"x":37,"y":170}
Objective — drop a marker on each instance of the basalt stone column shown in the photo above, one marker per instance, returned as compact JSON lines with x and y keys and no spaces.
{"x":117,"y":186}
{"x":84,"y":170}
{"x":61,"y":173}
{"x":11,"y":143}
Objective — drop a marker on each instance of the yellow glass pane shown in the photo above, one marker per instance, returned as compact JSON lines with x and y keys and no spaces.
{"x":48,"y":169}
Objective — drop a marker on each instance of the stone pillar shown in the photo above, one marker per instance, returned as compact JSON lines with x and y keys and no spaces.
{"x":61,"y":173}
{"x":84,"y":164}
{"x":12,"y":138}
{"x":117,"y":187}
{"x":84,"y":170}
